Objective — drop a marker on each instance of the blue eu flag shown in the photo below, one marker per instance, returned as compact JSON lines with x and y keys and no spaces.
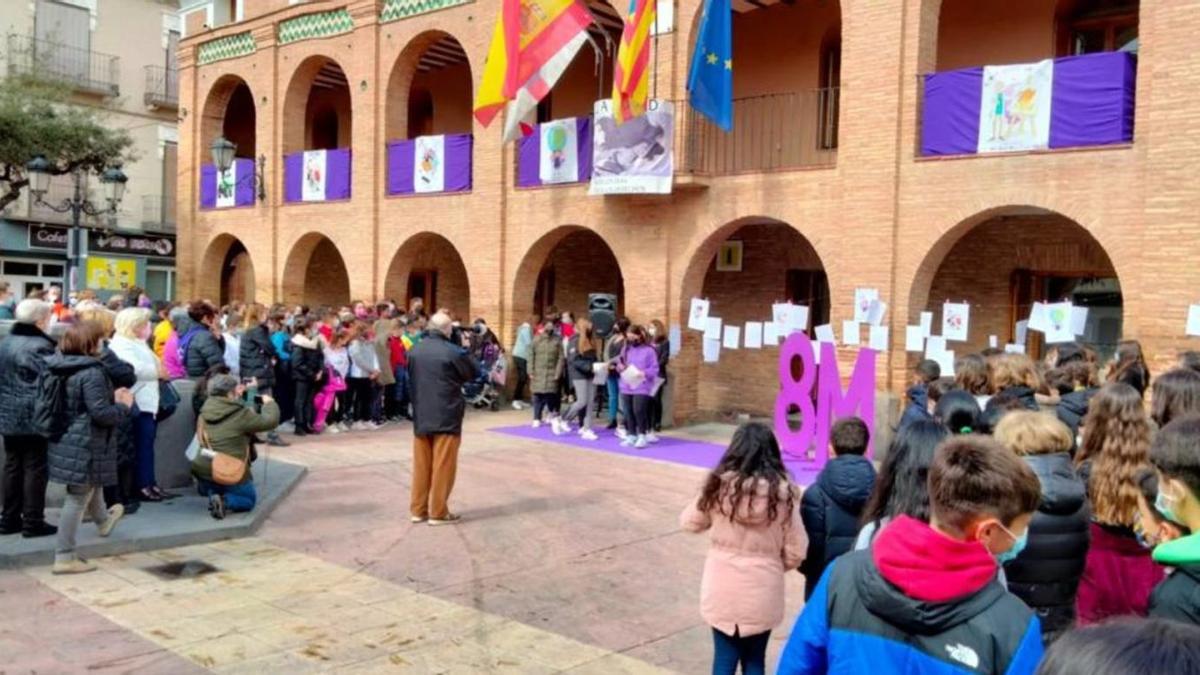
{"x":710,"y":80}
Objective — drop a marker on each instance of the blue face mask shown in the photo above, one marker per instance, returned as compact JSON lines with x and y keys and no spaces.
{"x":1018,"y":546}
{"x":1160,"y":503}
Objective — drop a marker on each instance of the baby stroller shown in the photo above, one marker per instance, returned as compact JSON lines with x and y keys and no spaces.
{"x":484,"y":390}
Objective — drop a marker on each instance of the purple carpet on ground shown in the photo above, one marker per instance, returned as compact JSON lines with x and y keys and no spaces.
{"x":668,"y":449}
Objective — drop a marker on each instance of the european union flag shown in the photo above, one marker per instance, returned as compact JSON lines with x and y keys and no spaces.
{"x":710,"y":80}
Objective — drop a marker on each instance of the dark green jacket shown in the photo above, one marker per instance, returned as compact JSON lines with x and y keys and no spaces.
{"x":1178,"y":597}
{"x":546,"y":366}
{"x":230,"y":424}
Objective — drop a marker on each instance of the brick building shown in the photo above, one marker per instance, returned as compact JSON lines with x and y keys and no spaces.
{"x":823,"y":179}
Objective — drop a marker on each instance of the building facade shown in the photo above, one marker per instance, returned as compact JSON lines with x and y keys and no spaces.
{"x":120,"y":56}
{"x":825,"y":185}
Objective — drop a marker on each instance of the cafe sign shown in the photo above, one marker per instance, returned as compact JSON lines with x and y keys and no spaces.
{"x":48,"y":238}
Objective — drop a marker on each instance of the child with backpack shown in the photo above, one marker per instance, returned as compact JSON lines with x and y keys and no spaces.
{"x":925,"y":598}
{"x":748,"y":506}
{"x":832,"y":506}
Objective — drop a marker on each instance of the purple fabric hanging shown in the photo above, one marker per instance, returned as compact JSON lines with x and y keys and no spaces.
{"x":1093,"y":99}
{"x":208,"y":186}
{"x":244,"y":190}
{"x":293,"y":177}
{"x":459,"y":153}
{"x":457,"y":171}
{"x":337,"y":168}
{"x":529,"y":153}
{"x":950,"y":121}
{"x":400,"y":167}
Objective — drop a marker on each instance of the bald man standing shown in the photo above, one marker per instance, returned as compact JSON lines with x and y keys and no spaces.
{"x":437,"y":371}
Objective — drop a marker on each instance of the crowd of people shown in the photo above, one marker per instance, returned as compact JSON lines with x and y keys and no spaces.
{"x":1029,"y":516}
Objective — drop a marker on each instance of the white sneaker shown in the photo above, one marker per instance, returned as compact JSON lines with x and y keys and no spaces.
{"x":621,"y":433}
{"x":640,"y":442}
{"x":343,"y":426}
{"x":561,"y":428}
{"x":333,"y":429}
{"x":537,"y":424}
{"x":652,"y":437}
{"x":358,"y":426}
{"x":588,"y":435}
{"x":627,"y":442}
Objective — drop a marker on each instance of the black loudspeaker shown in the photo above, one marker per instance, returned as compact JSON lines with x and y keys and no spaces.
{"x":602,"y":312}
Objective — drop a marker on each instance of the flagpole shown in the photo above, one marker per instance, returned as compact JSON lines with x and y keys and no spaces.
{"x":654,"y":54}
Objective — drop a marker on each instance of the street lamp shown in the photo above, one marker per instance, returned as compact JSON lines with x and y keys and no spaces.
{"x":224,"y":151}
{"x":113,"y":179}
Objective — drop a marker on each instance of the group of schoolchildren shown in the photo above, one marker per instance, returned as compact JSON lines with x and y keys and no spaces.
{"x":1027,"y":517}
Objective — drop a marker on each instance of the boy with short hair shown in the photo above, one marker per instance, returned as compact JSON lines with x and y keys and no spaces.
{"x":918,"y":408}
{"x":925,"y":598}
{"x":831,"y":507}
{"x":1176,"y":455}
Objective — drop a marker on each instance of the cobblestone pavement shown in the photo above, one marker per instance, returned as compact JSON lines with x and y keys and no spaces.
{"x":568,"y":561}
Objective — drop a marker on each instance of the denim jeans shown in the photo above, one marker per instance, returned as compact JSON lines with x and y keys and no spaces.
{"x":144,"y":431}
{"x":614,"y":397}
{"x":237,"y":497}
{"x":750,"y":651}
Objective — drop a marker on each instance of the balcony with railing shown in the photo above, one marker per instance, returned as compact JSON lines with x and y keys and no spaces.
{"x":162,"y":87}
{"x":158,"y":213}
{"x":82,"y":69}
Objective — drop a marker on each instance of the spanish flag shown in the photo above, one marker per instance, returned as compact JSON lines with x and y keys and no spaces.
{"x":533,"y":43}
{"x":631,"y":81}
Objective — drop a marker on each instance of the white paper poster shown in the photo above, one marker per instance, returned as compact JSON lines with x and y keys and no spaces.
{"x":934,"y":345}
{"x":675,"y":337}
{"x":754,"y":335}
{"x":914,"y":339}
{"x":733,"y":336}
{"x":1022,"y":331}
{"x":781,"y":313}
{"x":312,"y":188}
{"x":945,"y":361}
{"x":878,"y":338}
{"x":1014,"y":349}
{"x":636,"y":157}
{"x":850,"y":333}
{"x":429,"y":164}
{"x":1039,"y":320}
{"x":712,"y":350}
{"x":559,"y":152}
{"x":862,"y":302}
{"x":227,"y":187}
{"x":1058,"y":325}
{"x":797,"y":319}
{"x":664,"y":17}
{"x":771,"y":334}
{"x":1079,"y":320}
{"x":994,"y":341}
{"x":1014,"y":108}
{"x":877,"y":312}
{"x":825,"y":334}
{"x":712,"y":329}
{"x":698,"y":314}
{"x":956,"y":317}
{"x":926,"y":324}
{"x":1193,"y":320}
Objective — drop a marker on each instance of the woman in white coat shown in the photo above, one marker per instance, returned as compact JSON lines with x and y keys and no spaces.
{"x":130,"y":345}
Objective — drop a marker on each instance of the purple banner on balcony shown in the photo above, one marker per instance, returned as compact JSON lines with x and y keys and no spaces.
{"x":1091,"y":103}
{"x":234,"y":188}
{"x":316,"y":175}
{"x":429,"y":165}
{"x":539,"y":154}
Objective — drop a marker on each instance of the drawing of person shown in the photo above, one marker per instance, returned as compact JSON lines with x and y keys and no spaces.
{"x":998,"y":114}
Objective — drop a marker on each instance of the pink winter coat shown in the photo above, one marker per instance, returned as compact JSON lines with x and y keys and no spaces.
{"x":743,"y":587}
{"x":171,"y":361}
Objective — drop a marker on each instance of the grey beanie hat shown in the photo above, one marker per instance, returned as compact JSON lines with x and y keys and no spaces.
{"x":221,"y":385}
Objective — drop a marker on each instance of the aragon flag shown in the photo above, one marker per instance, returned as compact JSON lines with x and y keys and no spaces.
{"x":533,"y":43}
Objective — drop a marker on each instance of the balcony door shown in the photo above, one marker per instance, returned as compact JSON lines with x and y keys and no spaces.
{"x":64,"y":35}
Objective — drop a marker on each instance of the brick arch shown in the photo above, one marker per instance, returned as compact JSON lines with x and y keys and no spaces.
{"x":400,"y":82}
{"x":432,"y":252}
{"x":315,"y":273}
{"x":216,"y":105}
{"x":596,"y":254}
{"x":226,"y":271}
{"x":296,"y":101}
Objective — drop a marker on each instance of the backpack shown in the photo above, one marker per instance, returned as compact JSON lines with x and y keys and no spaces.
{"x":50,"y":416}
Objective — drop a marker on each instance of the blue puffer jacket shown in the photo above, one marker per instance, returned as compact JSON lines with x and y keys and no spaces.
{"x":917,"y":408}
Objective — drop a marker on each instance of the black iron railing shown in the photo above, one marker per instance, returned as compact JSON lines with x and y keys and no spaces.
{"x":162,"y":87}
{"x":83,"y":69}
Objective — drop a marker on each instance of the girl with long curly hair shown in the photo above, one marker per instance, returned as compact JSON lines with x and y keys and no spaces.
{"x":748,"y":504}
{"x":1119,"y":573}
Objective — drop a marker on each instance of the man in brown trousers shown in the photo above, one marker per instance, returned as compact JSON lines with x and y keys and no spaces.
{"x":437,"y":371}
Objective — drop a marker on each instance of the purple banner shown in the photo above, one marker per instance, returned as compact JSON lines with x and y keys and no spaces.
{"x":457,"y":167}
{"x":529,"y":154}
{"x":243,"y":188}
{"x":337,"y":175}
{"x":1092,"y":103}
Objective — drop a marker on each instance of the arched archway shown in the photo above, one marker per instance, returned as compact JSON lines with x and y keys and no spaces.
{"x":1003,"y":260}
{"x":315,"y":273}
{"x":319,"y":89}
{"x":430,"y":88}
{"x":561,"y":269}
{"x":429,"y":267}
{"x":227,"y":272}
{"x":777,"y":263}
{"x":229,"y":111}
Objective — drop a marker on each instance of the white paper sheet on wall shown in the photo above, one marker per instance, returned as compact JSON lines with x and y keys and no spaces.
{"x":914,"y":339}
{"x":698,"y":314}
{"x":850,"y":333}
{"x":733,"y":336}
{"x":878,"y":339}
{"x":754,"y":335}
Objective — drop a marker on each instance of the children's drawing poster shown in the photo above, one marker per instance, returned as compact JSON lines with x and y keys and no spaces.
{"x":955,"y":319}
{"x":862,"y":303}
{"x":698,"y":314}
{"x":315,"y":175}
{"x":429,"y":164}
{"x":559,"y":151}
{"x":1058,"y":323}
{"x":227,"y":187}
{"x":1014,"y":108}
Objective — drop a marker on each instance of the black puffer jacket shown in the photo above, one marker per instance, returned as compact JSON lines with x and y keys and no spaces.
{"x":831,"y":509}
{"x":22,"y":359}
{"x":255,"y":356}
{"x":87,"y":453}
{"x":1073,"y":406}
{"x":1026,"y":395}
{"x":203,"y":352}
{"x":308,"y":360}
{"x":1046,"y":574}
